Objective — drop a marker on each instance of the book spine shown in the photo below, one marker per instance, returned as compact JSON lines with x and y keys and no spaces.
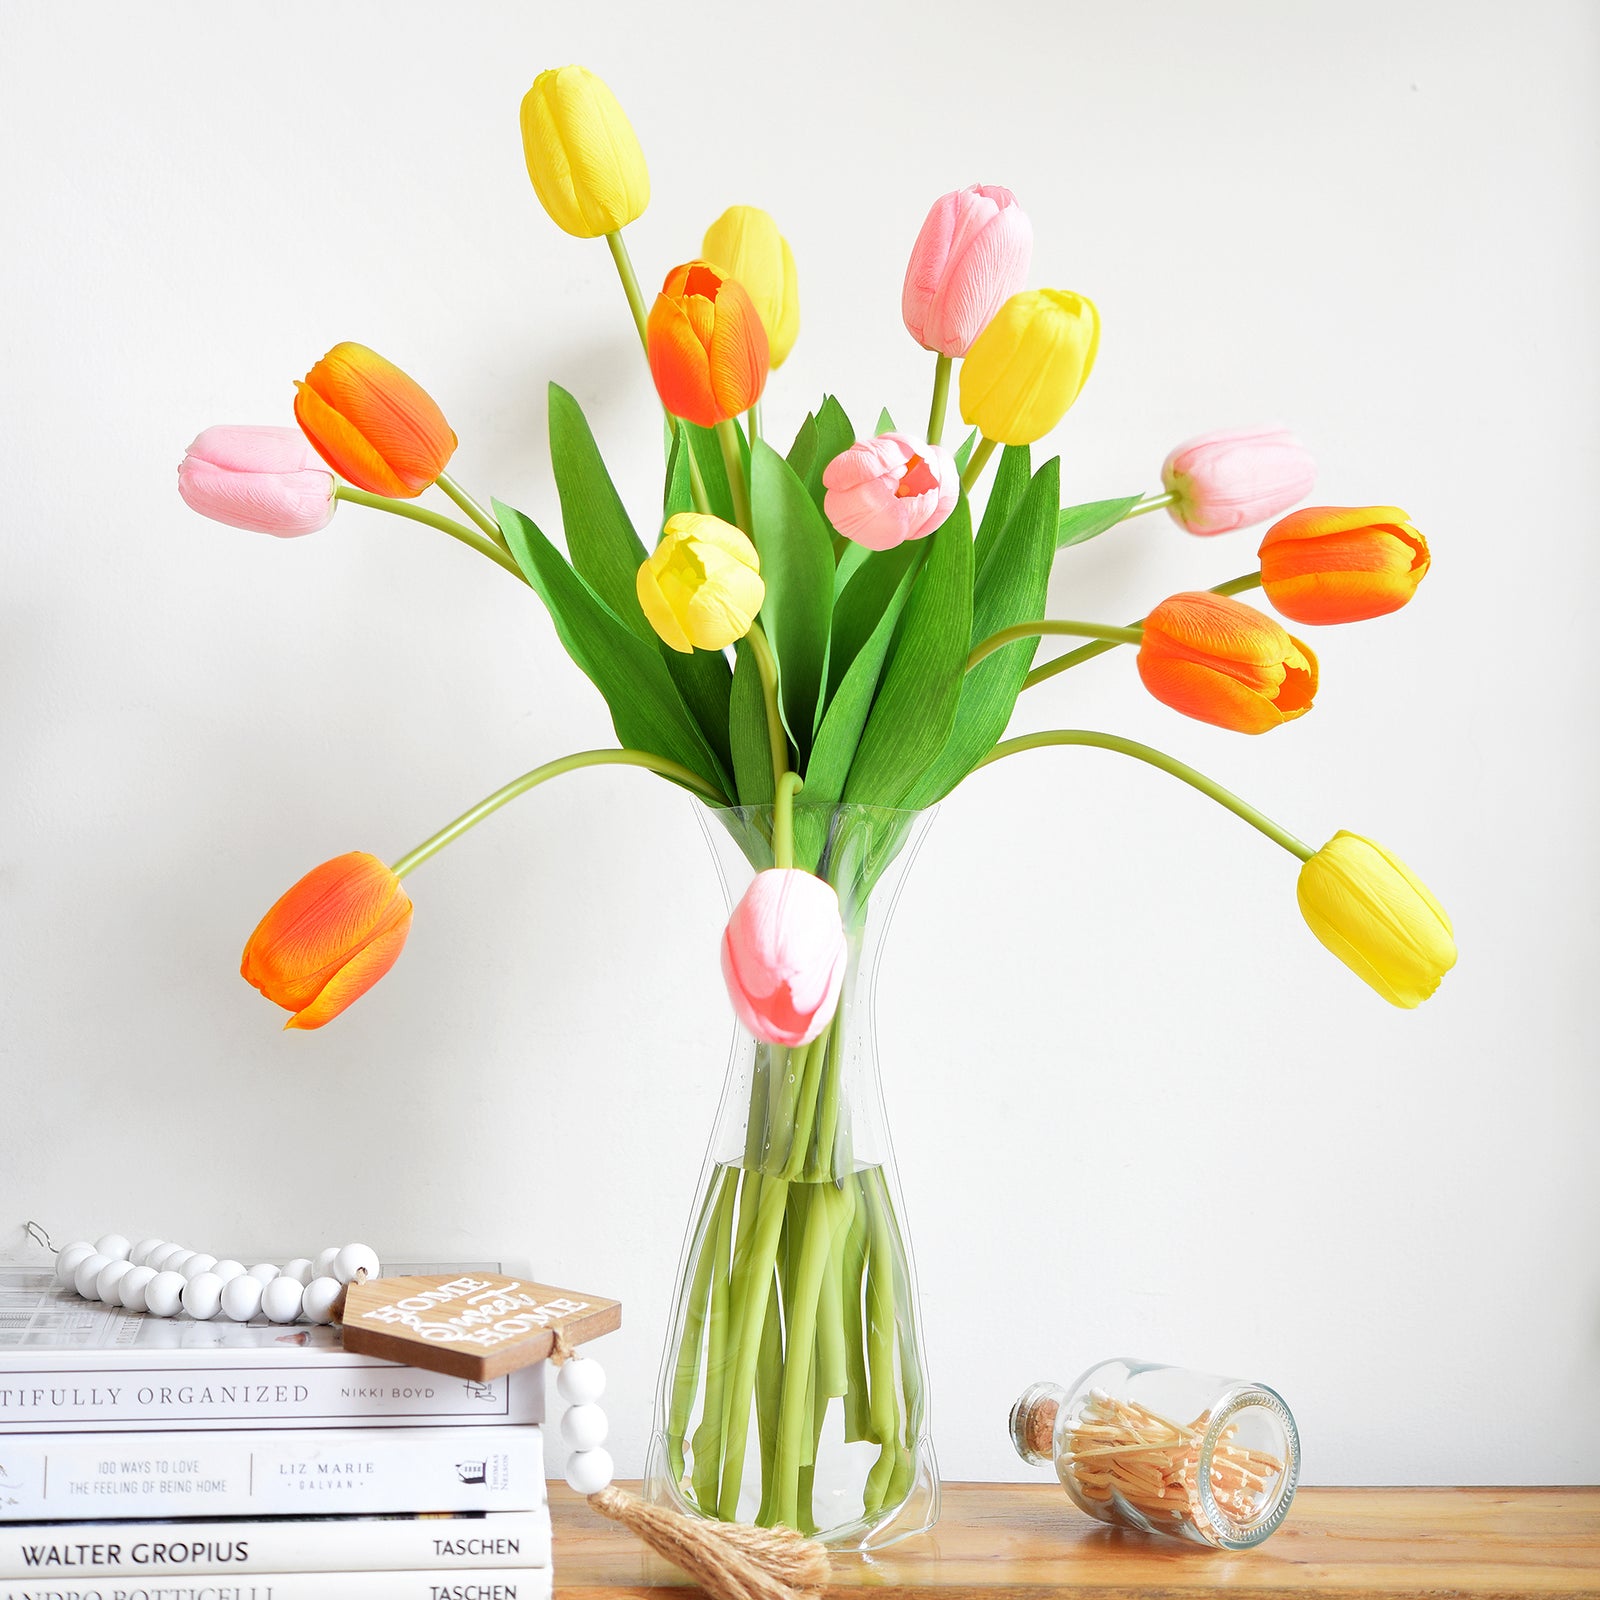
{"x":495,"y":1583}
{"x":89,"y":1552}
{"x":319,"y":1471}
{"x":96,"y":1395}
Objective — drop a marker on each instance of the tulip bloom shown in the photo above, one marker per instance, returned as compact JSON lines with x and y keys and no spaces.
{"x":970,"y":257}
{"x":701,"y":587}
{"x":1026,"y":368}
{"x":329,"y":939}
{"x":1372,"y":912}
{"x":583,"y":156}
{"x":884,"y":491}
{"x":372,"y":423}
{"x":1236,"y":476}
{"x":1223,"y":662}
{"x":265,"y":479}
{"x":707,"y":345}
{"x":1342,"y":563}
{"x":784,"y":955}
{"x":744,"y":243}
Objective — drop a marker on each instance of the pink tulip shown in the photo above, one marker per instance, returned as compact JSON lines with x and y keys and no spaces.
{"x":783,"y":956}
{"x":971,"y":256}
{"x":884,"y":491}
{"x":268,"y":480}
{"x":1236,"y":476}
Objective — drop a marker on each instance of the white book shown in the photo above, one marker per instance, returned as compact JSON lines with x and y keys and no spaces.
{"x":77,"y":1366}
{"x":89,"y":1552}
{"x":497,"y":1583}
{"x":325,"y":1471}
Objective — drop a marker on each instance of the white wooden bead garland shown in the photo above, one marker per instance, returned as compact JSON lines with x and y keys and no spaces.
{"x":580,"y":1382}
{"x":162,"y":1279}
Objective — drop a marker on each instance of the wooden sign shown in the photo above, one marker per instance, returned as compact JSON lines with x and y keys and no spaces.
{"x":476,"y":1325}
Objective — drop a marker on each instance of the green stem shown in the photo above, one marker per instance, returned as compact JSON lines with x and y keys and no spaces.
{"x":733,"y":460}
{"x":752,"y":420}
{"x":978,"y":461}
{"x":707,"y":1442}
{"x":686,"y":1369}
{"x":433,"y":519}
{"x":777,"y":739}
{"x":941,"y":398}
{"x":1087,"y":652}
{"x":783,"y":819}
{"x":1029,"y":630}
{"x":554,"y":769}
{"x":630,"y":284}
{"x":1156,"y":758}
{"x":471,"y":507}
{"x":1152,"y":502}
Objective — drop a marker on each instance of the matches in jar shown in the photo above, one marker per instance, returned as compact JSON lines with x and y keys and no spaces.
{"x":1188,"y":1454}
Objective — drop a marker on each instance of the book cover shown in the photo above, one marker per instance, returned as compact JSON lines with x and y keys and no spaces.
{"x":77,"y":1366}
{"x":45,"y":1477}
{"x":499,"y":1583}
{"x":89,"y":1552}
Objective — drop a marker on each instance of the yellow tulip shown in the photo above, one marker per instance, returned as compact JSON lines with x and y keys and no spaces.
{"x":1025,"y":369}
{"x":702,"y":587}
{"x":1371,"y":911}
{"x":584,"y":159}
{"x":744,"y":243}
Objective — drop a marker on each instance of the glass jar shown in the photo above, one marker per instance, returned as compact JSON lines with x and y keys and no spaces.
{"x":1165,"y":1450}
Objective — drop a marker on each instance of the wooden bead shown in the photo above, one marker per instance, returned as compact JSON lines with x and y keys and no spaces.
{"x":202,"y":1296}
{"x":173,"y":1261}
{"x":581,"y":1381}
{"x":354,"y":1259}
{"x":263,"y":1272}
{"x":320,"y":1297}
{"x":130,"y":1291}
{"x":281,"y":1299}
{"x":322,"y":1262}
{"x":583,"y":1427}
{"x":161,"y":1255}
{"x":105,"y":1286}
{"x":141,"y":1252}
{"x":228,"y":1269}
{"x":589,"y":1471}
{"x":241,"y":1298}
{"x":195,"y":1265}
{"x":164,"y":1294}
{"x":67,"y":1261}
{"x":87,"y":1271}
{"x":299,"y":1269}
{"x":113,"y":1246}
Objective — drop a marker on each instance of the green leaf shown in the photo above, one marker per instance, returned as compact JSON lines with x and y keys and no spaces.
{"x":600,"y":539}
{"x":834,"y":434}
{"x":885,"y":422}
{"x":1019,"y":570}
{"x":678,"y":493}
{"x":747,"y":731}
{"x":964,"y":454}
{"x":857,"y":608}
{"x":804,"y":449}
{"x":1076,"y":524}
{"x":850,"y":557}
{"x":646,"y":708}
{"x":1010,"y":483}
{"x":708,"y":457}
{"x":916,"y":706}
{"x":796,"y":553}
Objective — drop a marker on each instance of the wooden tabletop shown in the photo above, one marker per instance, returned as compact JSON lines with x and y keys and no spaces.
{"x":1027,"y":1542}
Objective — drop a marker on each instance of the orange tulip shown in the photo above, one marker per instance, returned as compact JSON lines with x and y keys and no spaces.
{"x":372,"y":423}
{"x":329,"y":939}
{"x":1212,"y":658}
{"x":1342,"y":563}
{"x":708,"y":347}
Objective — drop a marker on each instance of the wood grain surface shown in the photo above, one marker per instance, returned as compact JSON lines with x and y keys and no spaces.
{"x":1026,"y":1541}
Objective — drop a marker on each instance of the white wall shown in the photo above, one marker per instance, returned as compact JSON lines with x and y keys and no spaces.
{"x":1184,"y":1131}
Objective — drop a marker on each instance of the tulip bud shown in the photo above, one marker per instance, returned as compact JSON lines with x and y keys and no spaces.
{"x":701,"y":587}
{"x":744,"y":243}
{"x":261,"y":478}
{"x":1342,"y":564}
{"x":329,"y":938}
{"x":884,"y":491}
{"x":1236,"y":476}
{"x":971,"y":255}
{"x":1220,"y":661}
{"x":707,"y":346}
{"x":1026,"y":368}
{"x":1372,"y":912}
{"x":372,"y":423}
{"x":583,"y":156}
{"x":784,"y":955}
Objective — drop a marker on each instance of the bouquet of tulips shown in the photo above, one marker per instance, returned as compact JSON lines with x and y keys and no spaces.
{"x":836,"y":621}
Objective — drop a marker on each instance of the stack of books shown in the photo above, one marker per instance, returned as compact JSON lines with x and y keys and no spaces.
{"x":144,"y":1458}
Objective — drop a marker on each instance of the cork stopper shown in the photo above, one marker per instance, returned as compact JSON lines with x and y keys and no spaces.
{"x":1033,"y":1422}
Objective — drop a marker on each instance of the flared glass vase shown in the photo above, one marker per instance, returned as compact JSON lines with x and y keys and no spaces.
{"x":792,"y":1387}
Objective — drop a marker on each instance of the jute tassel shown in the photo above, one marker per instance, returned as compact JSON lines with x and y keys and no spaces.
{"x":729,"y":1560}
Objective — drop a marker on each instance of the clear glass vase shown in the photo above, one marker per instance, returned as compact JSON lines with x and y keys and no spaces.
{"x":792,"y":1388}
